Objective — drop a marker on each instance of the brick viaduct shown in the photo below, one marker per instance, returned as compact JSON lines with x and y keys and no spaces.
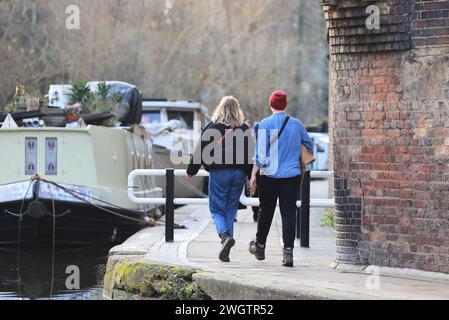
{"x":389,"y":109}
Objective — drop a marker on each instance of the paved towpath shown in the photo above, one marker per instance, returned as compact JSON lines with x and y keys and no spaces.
{"x":311,"y":278}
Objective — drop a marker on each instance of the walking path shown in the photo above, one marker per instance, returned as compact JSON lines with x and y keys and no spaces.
{"x":313,"y":276}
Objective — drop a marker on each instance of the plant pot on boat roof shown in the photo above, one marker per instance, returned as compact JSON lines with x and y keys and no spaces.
{"x":72,"y":112}
{"x":80,"y":94}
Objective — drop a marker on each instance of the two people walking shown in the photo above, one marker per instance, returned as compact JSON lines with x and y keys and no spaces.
{"x":224,"y":150}
{"x":231,"y":155}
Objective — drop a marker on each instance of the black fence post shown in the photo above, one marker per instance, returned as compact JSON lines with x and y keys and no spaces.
{"x":304,"y":231}
{"x":170,"y":206}
{"x":298,"y":216}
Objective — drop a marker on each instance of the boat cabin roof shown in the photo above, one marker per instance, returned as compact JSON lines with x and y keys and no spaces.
{"x":150,"y":104}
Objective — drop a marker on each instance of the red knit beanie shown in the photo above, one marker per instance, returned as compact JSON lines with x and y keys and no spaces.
{"x":278,"y":100}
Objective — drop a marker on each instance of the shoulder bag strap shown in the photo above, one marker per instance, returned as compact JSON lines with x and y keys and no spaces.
{"x":223,"y":137}
{"x":276,"y":138}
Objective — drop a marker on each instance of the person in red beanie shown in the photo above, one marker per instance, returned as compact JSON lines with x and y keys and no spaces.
{"x":278,"y":101}
{"x":278,"y":153}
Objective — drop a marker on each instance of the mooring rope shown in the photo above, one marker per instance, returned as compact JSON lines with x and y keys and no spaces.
{"x":78,"y":195}
{"x":82,"y":197}
{"x":85,"y":195}
{"x":60,"y":215}
{"x":181,"y":180}
{"x":14,"y":214}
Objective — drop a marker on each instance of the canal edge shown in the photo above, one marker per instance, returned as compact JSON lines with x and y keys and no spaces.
{"x":153,"y":254}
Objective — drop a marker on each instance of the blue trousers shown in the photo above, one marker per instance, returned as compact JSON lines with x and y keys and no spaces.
{"x":225,"y":188}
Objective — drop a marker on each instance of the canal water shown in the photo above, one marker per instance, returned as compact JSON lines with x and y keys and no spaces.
{"x":41,"y":274}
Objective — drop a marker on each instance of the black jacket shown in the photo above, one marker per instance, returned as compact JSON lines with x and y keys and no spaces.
{"x":223,"y":148}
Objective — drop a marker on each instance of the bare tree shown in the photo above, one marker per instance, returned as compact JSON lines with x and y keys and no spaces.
{"x":191,"y":49}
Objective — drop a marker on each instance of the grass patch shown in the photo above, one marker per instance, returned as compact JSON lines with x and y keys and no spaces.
{"x":329,"y":219}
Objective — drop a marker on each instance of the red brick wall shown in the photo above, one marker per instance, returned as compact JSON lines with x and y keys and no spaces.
{"x":390,"y":140}
{"x":430,"y":24}
{"x":392,"y":155}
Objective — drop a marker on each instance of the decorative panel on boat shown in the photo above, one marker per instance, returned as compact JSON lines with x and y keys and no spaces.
{"x":51,"y":156}
{"x":30,"y":156}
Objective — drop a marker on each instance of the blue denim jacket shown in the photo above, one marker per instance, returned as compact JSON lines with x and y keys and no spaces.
{"x":282,"y":159}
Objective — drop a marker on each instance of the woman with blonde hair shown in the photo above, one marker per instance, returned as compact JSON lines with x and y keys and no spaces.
{"x":224,"y":151}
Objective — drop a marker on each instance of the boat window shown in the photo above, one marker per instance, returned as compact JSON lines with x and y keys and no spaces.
{"x":30,"y":156}
{"x":153,"y":117}
{"x":51,"y":156}
{"x":186,"y":117}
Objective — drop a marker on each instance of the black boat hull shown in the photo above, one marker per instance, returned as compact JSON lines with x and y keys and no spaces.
{"x":75,"y":224}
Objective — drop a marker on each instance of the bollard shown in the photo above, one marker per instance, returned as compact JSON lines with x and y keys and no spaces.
{"x":170,"y":206}
{"x":304,"y":230}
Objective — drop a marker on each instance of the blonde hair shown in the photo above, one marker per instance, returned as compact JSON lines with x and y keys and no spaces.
{"x":229,"y":112}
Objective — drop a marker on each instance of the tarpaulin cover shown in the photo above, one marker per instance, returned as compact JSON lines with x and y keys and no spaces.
{"x":130,"y":107}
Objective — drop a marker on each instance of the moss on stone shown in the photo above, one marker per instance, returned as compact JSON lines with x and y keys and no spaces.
{"x":157,"y":281}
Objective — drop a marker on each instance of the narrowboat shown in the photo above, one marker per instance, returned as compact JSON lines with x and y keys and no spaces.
{"x":68,"y":184}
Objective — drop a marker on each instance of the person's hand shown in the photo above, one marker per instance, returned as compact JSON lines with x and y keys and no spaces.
{"x":189,"y":178}
{"x":253,"y":185}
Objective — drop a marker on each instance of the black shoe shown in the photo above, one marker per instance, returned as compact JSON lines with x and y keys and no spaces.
{"x":288,"y":258}
{"x":256,"y":250}
{"x":228,"y":243}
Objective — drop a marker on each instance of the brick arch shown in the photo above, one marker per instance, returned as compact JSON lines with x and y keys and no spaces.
{"x":389,"y":92}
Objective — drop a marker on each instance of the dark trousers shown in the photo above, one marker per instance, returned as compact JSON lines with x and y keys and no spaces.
{"x":256,"y":210}
{"x":270,"y":190}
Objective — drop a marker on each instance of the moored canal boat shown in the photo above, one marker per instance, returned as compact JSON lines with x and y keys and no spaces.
{"x":81,"y":173}
{"x":68,"y":183}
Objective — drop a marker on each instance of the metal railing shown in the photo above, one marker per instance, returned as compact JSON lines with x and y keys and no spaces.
{"x":304,"y":204}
